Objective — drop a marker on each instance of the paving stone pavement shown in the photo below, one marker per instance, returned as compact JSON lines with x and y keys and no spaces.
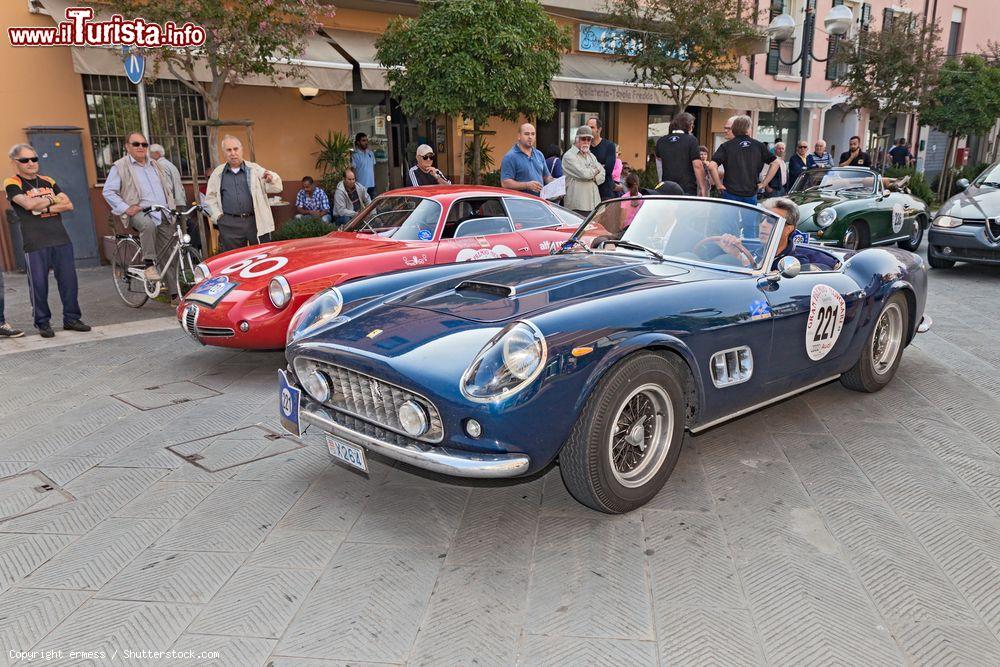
{"x":834,"y":528}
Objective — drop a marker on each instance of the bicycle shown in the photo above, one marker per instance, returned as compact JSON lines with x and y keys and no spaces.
{"x":128,"y":268}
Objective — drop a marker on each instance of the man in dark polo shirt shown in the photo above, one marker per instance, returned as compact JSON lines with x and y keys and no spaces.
{"x":681,"y":159}
{"x":606,"y":153}
{"x":39,"y":203}
{"x":743,"y":159}
{"x":855,"y":157}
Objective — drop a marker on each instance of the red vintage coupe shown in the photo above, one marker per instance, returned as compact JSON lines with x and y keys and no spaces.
{"x":245,"y":298}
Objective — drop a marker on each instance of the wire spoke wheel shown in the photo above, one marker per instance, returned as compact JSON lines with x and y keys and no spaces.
{"x":887,"y":339}
{"x":641,"y":436}
{"x":131,"y":289}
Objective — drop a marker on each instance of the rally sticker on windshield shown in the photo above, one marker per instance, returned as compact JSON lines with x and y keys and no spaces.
{"x":826,"y":318}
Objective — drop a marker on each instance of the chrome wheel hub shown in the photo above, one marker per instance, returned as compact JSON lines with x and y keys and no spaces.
{"x":641,"y":435}
{"x":887,"y":339}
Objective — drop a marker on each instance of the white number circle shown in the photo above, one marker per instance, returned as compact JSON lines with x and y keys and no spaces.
{"x":286,"y":402}
{"x":256,"y":266}
{"x":897,"y":218}
{"x":826,"y":319}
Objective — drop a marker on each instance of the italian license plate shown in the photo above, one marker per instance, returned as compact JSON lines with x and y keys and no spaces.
{"x":352,"y":455}
{"x":289,"y":399}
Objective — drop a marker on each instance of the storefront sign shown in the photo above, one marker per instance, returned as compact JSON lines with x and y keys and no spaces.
{"x":600,"y":39}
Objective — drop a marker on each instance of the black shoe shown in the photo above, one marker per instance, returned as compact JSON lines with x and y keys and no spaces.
{"x":7,"y":331}
{"x":46,"y":332}
{"x":76,"y":325}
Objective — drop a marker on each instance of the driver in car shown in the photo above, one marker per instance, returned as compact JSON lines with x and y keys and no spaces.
{"x":815,"y":260}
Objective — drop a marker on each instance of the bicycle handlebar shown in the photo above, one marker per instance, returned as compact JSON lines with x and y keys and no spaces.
{"x":171,"y":212}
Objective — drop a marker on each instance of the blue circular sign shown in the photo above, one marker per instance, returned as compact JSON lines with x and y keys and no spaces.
{"x":425,"y":235}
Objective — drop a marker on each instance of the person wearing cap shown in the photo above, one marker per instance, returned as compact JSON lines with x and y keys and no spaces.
{"x":583,"y":174}
{"x":424,"y":172}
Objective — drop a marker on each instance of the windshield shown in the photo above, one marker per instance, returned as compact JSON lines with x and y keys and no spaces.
{"x":990,"y":176}
{"x":836,"y":179}
{"x":399,"y":218}
{"x":707,"y":231}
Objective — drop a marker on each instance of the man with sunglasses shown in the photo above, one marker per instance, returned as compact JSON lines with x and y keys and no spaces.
{"x":39,"y":203}
{"x":136,"y":182}
{"x":424,"y":172}
{"x":798,"y":162}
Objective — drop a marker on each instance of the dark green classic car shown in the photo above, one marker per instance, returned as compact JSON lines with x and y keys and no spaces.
{"x":854,"y":207}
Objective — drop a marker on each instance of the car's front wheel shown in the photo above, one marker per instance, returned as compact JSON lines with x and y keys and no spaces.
{"x":883,"y":349}
{"x":626,"y":441}
{"x":856,"y":236}
{"x":912,"y":242}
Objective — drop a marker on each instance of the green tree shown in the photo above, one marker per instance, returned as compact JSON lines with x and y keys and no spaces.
{"x":682,"y":47}
{"x":473,"y":59}
{"x":965,"y":101}
{"x":255,"y":37}
{"x":888,"y":71}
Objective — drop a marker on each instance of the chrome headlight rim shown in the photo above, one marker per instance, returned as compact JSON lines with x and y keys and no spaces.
{"x":499,"y":340}
{"x":330,"y":299}
{"x":201,"y":272}
{"x":284,"y":292}
{"x":946,"y":222}
{"x":417,"y":412}
{"x":826,"y":217}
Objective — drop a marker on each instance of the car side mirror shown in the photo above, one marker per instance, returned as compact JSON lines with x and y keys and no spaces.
{"x":789,"y":267}
{"x":962,"y":184}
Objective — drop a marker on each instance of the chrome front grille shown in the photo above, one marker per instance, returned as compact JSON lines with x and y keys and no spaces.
{"x":190,"y":324}
{"x":371,"y":399}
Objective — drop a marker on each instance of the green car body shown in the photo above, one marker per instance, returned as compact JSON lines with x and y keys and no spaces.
{"x":864,"y":216}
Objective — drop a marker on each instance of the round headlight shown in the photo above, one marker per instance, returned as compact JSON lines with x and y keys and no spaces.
{"x":185,"y":239}
{"x":201,"y":272}
{"x":279,"y":292}
{"x":947,"y":221}
{"x":413,"y":418}
{"x":826,"y":217}
{"x":317,"y":312}
{"x":508,"y":363}
{"x":317,"y":385}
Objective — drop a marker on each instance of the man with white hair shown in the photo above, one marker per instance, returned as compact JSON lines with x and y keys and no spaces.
{"x":157,"y":153}
{"x":583,"y":174}
{"x":236,"y":198}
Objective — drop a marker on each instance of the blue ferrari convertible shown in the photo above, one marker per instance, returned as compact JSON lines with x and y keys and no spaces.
{"x":660,"y":315}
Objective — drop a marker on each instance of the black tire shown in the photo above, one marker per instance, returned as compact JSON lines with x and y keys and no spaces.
{"x":877,"y":364}
{"x":131,"y":290}
{"x":187,"y":259}
{"x":586,"y":463}
{"x":856,"y":236}
{"x":916,"y":236}
{"x":938,"y":263}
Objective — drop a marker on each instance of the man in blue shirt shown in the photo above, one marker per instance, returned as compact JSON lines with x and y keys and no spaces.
{"x":523,"y":167}
{"x":819,"y":157}
{"x":363,"y":160}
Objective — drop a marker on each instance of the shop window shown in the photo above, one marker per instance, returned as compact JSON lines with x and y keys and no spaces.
{"x":113,"y":109}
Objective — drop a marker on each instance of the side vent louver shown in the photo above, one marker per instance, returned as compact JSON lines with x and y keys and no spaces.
{"x":732,"y":366}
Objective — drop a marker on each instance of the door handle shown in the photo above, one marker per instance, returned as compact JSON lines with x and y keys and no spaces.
{"x":524,"y":249}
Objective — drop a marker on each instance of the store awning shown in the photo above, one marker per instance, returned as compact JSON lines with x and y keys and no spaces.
{"x":790,"y":100}
{"x":600,"y":79}
{"x":360,"y":46}
{"x":319,"y":65}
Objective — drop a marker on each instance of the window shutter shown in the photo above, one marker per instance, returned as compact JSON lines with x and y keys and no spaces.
{"x":866,"y":16}
{"x":887,"y":19}
{"x":831,"y":51}
{"x":771,"y":67}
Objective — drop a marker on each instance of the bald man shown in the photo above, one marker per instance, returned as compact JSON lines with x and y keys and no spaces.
{"x":236,"y":198}
{"x":523,"y":167}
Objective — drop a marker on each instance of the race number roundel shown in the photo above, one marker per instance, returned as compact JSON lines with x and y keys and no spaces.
{"x":826,"y":319}
{"x":897,"y":218}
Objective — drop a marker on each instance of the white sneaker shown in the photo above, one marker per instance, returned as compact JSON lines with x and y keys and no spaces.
{"x":7,"y":331}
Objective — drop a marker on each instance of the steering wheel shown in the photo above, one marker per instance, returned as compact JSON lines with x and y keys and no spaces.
{"x":717,"y":240}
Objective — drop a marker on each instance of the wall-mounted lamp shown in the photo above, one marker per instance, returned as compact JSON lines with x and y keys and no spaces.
{"x":308,"y":93}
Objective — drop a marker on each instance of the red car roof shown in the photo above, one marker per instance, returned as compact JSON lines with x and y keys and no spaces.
{"x":449,"y":191}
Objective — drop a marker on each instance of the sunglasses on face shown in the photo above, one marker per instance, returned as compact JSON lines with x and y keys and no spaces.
{"x":429,"y":156}
{"x":586,"y":138}
{"x":136,"y":144}
{"x":803,"y":146}
{"x":26,"y":160}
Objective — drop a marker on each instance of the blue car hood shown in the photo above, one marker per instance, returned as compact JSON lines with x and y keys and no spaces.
{"x":517,"y":290}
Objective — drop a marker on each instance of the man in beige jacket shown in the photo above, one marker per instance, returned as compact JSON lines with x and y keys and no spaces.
{"x":583,"y":174}
{"x":236,"y":198}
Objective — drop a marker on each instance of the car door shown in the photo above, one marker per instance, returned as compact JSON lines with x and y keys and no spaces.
{"x":479,"y":228}
{"x":540,"y":224}
{"x":815,"y":317}
{"x":883,"y":220}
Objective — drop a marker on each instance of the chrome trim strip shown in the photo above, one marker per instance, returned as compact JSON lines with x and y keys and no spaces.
{"x":436,"y":459}
{"x":757,"y":406}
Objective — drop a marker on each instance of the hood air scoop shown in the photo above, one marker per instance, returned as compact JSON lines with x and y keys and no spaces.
{"x":503,"y":291}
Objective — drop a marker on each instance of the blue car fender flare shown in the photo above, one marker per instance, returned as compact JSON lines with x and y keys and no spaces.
{"x":638,"y":343}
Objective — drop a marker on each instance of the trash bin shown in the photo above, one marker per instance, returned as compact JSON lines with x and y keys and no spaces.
{"x":16,"y":242}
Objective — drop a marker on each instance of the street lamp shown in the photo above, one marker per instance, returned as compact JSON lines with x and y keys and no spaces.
{"x":837,"y":22}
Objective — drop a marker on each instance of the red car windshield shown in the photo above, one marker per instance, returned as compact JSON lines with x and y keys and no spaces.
{"x":399,"y":218}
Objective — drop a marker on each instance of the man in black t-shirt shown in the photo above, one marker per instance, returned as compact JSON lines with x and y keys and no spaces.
{"x":679,"y":155}
{"x":38,"y":203}
{"x":606,"y":153}
{"x":900,"y":154}
{"x":855,"y":157}
{"x":743,"y":159}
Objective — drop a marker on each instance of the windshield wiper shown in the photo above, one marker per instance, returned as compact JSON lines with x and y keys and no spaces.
{"x":811,"y":188}
{"x":636,"y":246}
{"x":992,"y":184}
{"x":566,"y":245}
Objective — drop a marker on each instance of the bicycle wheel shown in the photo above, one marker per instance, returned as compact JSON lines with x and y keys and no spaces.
{"x":187,"y":259}
{"x":128,"y":254}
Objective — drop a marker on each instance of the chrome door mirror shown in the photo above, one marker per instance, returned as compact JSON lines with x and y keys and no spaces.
{"x":789,"y":267}
{"x":962,"y":184}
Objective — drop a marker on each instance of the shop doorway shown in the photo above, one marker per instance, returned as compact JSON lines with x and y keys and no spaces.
{"x":406,"y":134}
{"x":368,"y":112}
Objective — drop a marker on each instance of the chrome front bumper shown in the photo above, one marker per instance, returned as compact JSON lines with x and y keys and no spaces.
{"x":455,"y":462}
